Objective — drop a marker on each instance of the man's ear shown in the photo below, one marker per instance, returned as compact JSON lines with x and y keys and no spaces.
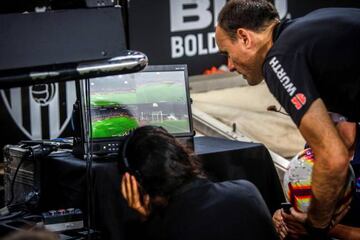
{"x":244,"y":37}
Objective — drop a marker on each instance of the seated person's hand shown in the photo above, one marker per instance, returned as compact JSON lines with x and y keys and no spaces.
{"x":279,"y":224}
{"x":131,"y":193}
{"x":295,"y":223}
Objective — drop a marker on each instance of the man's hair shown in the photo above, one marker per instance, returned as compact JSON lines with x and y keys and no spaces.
{"x":254,"y":15}
{"x":163,"y":163}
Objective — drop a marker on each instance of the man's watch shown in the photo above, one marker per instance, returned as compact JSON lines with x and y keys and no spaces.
{"x":316,"y":233}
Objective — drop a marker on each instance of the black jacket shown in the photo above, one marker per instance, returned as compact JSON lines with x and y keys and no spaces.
{"x":207,"y":210}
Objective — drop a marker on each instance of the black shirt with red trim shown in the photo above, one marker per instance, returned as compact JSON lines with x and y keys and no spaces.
{"x":317,"y":56}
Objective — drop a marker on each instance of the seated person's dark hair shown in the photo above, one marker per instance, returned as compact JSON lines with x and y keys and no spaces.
{"x":163,"y":163}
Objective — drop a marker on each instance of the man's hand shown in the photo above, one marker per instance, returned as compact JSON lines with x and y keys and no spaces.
{"x":340,"y":213}
{"x":295,"y":221}
{"x":279,"y":224}
{"x":130,"y":191}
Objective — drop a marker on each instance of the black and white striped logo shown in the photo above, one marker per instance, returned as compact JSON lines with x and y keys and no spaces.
{"x":42,"y":111}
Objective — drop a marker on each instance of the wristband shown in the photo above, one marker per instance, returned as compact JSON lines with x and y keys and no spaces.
{"x":316,"y":233}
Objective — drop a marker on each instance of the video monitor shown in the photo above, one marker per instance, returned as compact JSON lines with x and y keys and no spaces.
{"x":157,"y":96}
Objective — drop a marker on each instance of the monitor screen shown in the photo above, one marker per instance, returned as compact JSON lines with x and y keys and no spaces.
{"x":156,"y":96}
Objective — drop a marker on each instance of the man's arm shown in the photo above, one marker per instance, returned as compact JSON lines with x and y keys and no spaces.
{"x":331,"y":165}
{"x":345,"y":232}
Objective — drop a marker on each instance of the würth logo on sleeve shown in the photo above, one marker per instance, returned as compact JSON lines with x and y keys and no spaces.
{"x":282,"y":76}
{"x":299,"y":100}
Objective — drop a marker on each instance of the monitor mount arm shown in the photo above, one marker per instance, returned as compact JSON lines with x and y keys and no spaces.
{"x":128,"y":62}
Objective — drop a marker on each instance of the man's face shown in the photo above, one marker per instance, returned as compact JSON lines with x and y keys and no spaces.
{"x":241,"y":57}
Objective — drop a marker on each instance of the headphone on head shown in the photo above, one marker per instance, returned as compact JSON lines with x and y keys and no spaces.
{"x":125,"y":160}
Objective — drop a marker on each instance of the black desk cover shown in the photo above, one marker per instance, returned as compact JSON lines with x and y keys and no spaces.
{"x":65,"y":181}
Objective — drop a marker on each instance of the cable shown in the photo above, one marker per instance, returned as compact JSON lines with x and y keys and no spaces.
{"x":89,"y":155}
{"x":21,"y":207}
{"x":13,"y":215}
{"x":13,"y":181}
{"x":274,"y":109}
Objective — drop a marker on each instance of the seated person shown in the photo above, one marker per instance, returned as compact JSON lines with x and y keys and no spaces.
{"x":166,"y":186}
{"x":349,"y":226}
